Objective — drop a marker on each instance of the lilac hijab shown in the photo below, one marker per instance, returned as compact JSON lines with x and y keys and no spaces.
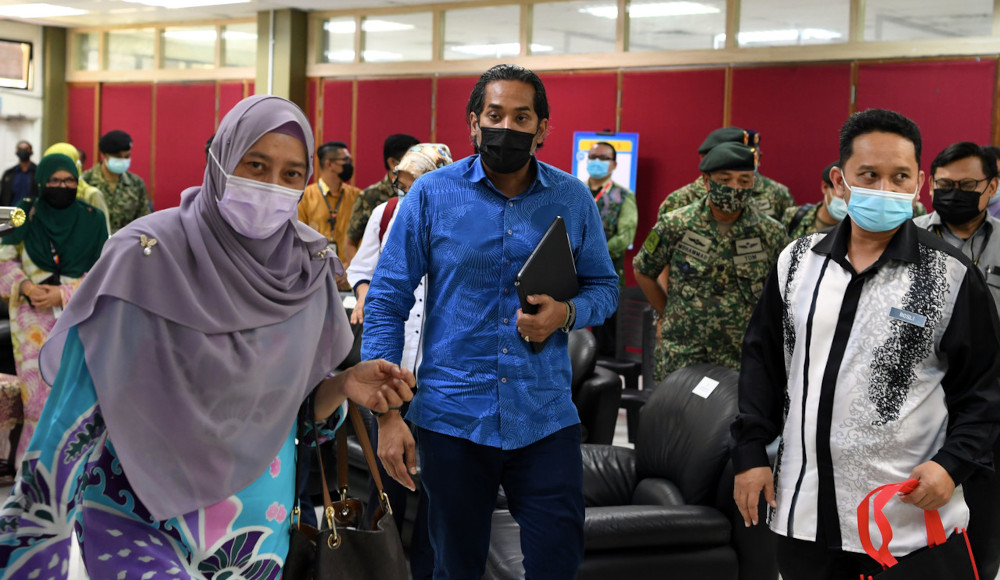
{"x":202,"y":351}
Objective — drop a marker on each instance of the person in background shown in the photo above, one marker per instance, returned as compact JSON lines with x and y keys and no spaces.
{"x":490,"y":410}
{"x":393,"y":149}
{"x":419,"y":160}
{"x":41,"y":264}
{"x":769,"y":197}
{"x":18,"y":182}
{"x":619,"y":216}
{"x":84,"y":191}
{"x":326,"y":205}
{"x":873,"y":353}
{"x":994,"y":207}
{"x":813,"y":217}
{"x":716,"y":254}
{"x":192,"y":356}
{"x":964,"y":180}
{"x":124,"y":192}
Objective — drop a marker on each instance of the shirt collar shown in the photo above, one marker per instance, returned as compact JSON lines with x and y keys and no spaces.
{"x":902,"y":246}
{"x":987,"y":226}
{"x":476,"y":173}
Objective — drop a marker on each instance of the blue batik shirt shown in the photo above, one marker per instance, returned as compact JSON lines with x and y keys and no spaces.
{"x":479,"y":380}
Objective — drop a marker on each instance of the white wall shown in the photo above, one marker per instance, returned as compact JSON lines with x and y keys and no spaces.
{"x":21,"y":111}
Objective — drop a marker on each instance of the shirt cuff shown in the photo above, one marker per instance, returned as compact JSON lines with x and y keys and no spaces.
{"x":958,"y":469}
{"x":750,"y":455}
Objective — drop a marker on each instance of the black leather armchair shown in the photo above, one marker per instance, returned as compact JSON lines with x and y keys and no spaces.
{"x":664,"y":509}
{"x":597,"y":392}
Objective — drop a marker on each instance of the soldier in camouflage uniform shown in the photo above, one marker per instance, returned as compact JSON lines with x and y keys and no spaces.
{"x":616,"y":203}
{"x":716,"y":253}
{"x":393,"y":149}
{"x":769,"y":197}
{"x":124,"y":192}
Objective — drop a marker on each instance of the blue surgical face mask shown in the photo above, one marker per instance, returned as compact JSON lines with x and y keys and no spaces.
{"x":837,"y":208}
{"x":118,"y":165}
{"x":876,"y":210}
{"x":995,"y":198}
{"x":598,"y":168}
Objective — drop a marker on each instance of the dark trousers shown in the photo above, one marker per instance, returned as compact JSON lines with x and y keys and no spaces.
{"x":802,"y":560}
{"x":544,"y":487}
{"x":982,"y":494}
{"x":607,"y":336}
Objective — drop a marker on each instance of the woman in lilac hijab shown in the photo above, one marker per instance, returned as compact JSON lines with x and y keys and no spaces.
{"x":192,"y":356}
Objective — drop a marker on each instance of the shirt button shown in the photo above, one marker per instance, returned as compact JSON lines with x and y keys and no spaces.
{"x":510,"y":204}
{"x":506,"y":321}
{"x":504,"y":351}
{"x":506,"y":290}
{"x":510,"y":232}
{"x":503,"y":380}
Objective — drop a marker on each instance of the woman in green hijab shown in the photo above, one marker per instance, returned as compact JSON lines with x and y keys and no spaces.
{"x":41,"y":264}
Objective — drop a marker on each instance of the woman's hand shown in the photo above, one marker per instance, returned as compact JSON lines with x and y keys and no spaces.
{"x":358,"y":313}
{"x":376,"y":384}
{"x":44,"y":296}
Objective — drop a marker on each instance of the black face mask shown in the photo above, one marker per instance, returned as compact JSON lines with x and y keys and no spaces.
{"x":23,"y":155}
{"x":59,"y":197}
{"x":347,"y":171}
{"x":955,"y":206}
{"x":505,"y":150}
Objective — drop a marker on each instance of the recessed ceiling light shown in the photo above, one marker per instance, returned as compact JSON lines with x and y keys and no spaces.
{"x":40,"y":10}
{"x":186,"y":3}
{"x":652,"y":10}
{"x":786,"y":35}
{"x":368,"y":25}
{"x":501,"y":49}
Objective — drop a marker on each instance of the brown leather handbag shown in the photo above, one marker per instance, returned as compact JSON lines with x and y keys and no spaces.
{"x":343,"y":548}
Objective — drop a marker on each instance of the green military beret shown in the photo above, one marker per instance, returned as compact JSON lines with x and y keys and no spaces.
{"x":729,"y":135}
{"x":732,"y":156}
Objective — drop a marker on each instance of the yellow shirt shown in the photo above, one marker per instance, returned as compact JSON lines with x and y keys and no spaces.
{"x":315,"y":213}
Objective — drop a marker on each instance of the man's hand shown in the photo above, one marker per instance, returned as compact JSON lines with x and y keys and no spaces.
{"x":550,"y":317}
{"x":934,"y":490}
{"x":746,"y":492}
{"x":397,"y":449}
{"x":44,"y":296}
{"x":342,"y":284}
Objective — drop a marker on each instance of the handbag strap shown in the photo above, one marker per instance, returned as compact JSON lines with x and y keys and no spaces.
{"x":366,"y":446}
{"x":884,"y":493}
{"x":342,"y":463}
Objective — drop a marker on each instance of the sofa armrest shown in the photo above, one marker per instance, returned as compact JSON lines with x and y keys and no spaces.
{"x":608,"y":474}
{"x":621,"y":527}
{"x":657,"y":491}
{"x":597,"y":402}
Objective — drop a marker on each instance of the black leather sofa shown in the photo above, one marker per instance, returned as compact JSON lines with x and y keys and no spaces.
{"x":664,"y":509}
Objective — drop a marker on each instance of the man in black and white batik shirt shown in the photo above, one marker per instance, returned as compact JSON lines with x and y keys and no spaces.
{"x":873,"y":353}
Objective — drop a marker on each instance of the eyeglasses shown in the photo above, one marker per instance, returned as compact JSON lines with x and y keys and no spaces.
{"x":399,"y":186}
{"x":968,"y":185}
{"x":65,"y":182}
{"x":601,"y":157}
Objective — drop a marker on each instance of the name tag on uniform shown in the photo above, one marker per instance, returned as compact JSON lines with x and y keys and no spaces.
{"x":762,"y":204}
{"x":695,"y":246}
{"x":907,"y":316}
{"x":750,"y":258}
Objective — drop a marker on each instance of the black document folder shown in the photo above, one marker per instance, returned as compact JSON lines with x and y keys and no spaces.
{"x":550,"y":269}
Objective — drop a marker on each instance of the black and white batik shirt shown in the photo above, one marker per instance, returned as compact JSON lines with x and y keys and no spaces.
{"x":865,"y":376}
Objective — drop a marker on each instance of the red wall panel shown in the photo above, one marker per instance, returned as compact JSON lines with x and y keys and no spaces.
{"x":338,"y":104}
{"x":229,"y":95}
{"x":949,"y":101}
{"x":385,"y":107}
{"x":798,"y":111}
{"x":584,"y":102}
{"x":130,"y":109}
{"x":672,"y":111}
{"x":81,"y":101}
{"x":185,"y":119}
{"x":312,"y":107}
{"x":450,"y":124}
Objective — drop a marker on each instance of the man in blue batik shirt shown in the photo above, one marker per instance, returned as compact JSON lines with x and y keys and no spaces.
{"x":489,"y":411}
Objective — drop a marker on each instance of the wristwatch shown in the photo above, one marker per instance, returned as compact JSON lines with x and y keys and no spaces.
{"x":390,"y":410}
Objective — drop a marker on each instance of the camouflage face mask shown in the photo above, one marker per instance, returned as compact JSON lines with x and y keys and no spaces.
{"x":728,"y":199}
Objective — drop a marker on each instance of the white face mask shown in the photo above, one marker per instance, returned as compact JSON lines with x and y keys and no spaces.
{"x":256,"y":209}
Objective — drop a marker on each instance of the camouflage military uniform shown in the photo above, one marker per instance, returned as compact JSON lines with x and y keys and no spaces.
{"x":619,"y":216}
{"x":714,"y":282}
{"x":373,"y":196}
{"x":127,"y":200}
{"x":769,"y":197}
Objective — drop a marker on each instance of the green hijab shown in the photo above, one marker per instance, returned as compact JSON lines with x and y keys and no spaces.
{"x":61,"y":241}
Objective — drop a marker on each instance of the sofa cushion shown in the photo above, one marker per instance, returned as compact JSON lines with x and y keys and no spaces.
{"x":611,"y":528}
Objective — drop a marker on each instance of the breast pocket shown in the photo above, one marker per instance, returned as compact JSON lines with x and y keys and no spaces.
{"x":751,"y":276}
